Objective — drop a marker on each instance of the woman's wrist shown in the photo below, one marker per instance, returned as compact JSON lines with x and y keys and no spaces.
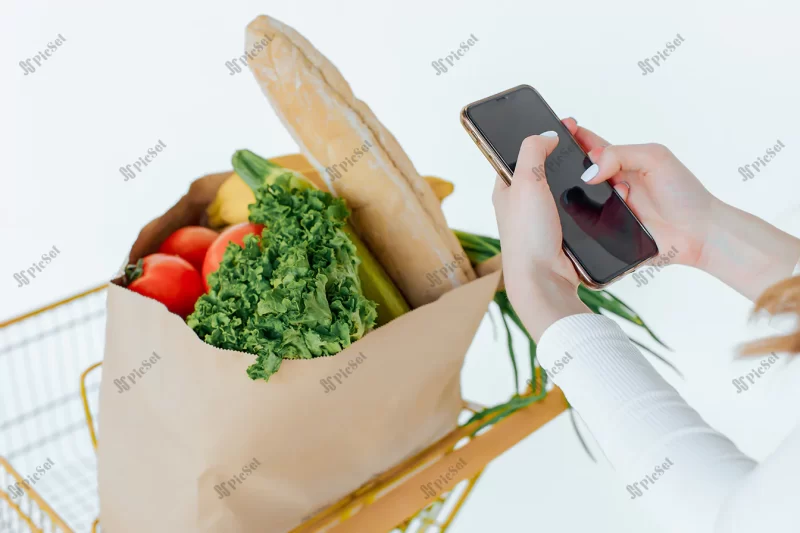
{"x":542,"y":299}
{"x":745,"y":252}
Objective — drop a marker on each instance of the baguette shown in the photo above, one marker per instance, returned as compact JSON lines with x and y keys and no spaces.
{"x":393,"y":209}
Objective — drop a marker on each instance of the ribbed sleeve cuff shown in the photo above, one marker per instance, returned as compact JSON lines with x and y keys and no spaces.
{"x":574,"y":331}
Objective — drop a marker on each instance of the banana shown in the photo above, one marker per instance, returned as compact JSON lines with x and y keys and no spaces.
{"x":441,"y":188}
{"x":230,"y":205}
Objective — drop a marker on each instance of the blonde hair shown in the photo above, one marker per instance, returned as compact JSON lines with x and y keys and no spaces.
{"x":779,"y":299}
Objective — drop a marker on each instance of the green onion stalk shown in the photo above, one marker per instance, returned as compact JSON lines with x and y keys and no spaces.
{"x":479,"y":249}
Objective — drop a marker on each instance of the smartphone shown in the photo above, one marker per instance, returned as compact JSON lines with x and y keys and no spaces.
{"x":601,"y":235}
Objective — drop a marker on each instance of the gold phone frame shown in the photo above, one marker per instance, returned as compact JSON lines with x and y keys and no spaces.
{"x":505,"y":173}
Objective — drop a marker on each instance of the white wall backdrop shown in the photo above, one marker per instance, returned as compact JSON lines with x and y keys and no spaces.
{"x":130,"y":74}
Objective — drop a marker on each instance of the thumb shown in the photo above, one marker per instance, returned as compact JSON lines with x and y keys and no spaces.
{"x":532,"y":155}
{"x":614,"y":159}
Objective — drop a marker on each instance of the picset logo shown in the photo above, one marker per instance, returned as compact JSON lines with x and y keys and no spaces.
{"x":660,"y":56}
{"x":463,"y":47}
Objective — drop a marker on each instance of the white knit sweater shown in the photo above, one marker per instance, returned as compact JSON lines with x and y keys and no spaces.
{"x":667,"y":458}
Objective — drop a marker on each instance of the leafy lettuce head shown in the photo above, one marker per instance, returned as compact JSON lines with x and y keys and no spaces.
{"x":293,"y":292}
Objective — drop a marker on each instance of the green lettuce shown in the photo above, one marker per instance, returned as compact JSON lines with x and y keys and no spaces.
{"x":293,"y":292}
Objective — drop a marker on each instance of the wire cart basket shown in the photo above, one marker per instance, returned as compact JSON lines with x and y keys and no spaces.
{"x":50,"y":372}
{"x":42,"y":416}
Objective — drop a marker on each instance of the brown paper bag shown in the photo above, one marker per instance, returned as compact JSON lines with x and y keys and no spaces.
{"x":189,"y":443}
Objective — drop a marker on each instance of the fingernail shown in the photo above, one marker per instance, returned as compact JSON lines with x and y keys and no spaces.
{"x":549,"y":134}
{"x":590,"y":173}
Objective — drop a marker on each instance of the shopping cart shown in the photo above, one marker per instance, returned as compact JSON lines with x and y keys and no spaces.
{"x":42,"y":418}
{"x":50,"y":374}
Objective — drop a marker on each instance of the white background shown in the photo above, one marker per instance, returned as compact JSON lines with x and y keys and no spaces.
{"x":131,"y":74}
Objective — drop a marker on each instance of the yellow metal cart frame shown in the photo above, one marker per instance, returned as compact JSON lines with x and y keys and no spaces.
{"x":394,"y":497}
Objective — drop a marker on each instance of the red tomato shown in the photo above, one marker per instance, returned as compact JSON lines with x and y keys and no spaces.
{"x":235,"y":234}
{"x":168,"y":279}
{"x":190,"y":243}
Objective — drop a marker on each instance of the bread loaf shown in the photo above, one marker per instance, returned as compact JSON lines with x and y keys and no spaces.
{"x":394,"y":210}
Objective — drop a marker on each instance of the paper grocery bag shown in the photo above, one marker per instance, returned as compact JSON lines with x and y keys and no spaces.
{"x":188,"y":443}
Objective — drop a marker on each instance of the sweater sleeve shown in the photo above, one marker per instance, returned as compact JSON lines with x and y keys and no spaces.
{"x":667,"y":458}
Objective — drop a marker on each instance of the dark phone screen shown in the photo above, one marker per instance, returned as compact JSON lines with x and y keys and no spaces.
{"x":598,"y":228}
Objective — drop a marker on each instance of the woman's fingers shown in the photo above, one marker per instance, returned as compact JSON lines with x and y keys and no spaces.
{"x":530,"y":166}
{"x":589,"y":140}
{"x":622,"y":189}
{"x":499,"y":187}
{"x":532,"y":155}
{"x":636,"y":158}
{"x":591,"y":143}
{"x":571,"y":124}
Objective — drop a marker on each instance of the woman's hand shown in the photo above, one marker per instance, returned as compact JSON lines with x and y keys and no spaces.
{"x":540,"y":279}
{"x":664,"y":195}
{"x":737,"y":248}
